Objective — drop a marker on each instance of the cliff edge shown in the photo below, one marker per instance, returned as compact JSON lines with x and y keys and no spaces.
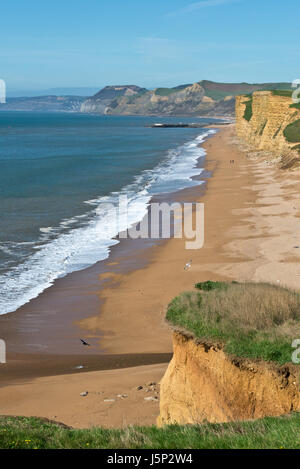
{"x":232,"y":354}
{"x":202,"y":383}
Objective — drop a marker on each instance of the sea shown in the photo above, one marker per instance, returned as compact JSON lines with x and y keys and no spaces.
{"x":59,"y":173}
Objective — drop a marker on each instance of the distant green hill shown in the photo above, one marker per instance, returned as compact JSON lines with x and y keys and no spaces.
{"x":202,"y":98}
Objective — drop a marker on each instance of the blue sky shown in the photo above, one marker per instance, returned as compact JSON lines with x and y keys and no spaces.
{"x":92,"y":43}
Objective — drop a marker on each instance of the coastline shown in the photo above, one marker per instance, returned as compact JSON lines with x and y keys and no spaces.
{"x":75,"y":229}
{"x":252,"y":217}
{"x":47,"y":323}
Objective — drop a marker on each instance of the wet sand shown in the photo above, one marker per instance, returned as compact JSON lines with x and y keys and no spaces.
{"x":138,"y":301}
{"x":252,"y":230}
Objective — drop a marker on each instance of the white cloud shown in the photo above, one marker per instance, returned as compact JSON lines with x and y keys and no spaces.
{"x":198,"y":5}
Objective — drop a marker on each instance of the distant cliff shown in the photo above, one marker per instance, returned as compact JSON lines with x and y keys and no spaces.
{"x":107,"y":98}
{"x":269,"y":120}
{"x":127,"y":100}
{"x":201,"y":98}
{"x":44,"y":104}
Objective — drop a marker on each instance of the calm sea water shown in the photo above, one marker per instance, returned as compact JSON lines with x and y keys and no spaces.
{"x":56,"y":170}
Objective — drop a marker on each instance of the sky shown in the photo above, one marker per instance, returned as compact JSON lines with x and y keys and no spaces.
{"x":93,"y":43}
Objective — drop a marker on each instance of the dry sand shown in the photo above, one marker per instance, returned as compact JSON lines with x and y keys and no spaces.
{"x":113,"y":399}
{"x":252,"y":230}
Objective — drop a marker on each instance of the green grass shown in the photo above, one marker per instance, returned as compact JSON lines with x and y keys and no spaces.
{"x":277,"y":86}
{"x":210,"y":285}
{"x":168,"y":91}
{"x":248,"y":109}
{"x":270,"y":432}
{"x":257,"y":321}
{"x":286,"y":93}
{"x":218,"y":95}
{"x":165,"y":91}
{"x":292,"y":132}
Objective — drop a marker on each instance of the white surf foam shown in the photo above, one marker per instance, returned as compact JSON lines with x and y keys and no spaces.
{"x":83,"y":246}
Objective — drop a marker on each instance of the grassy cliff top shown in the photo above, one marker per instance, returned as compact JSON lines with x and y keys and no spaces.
{"x":218,"y":91}
{"x":284,"y":93}
{"x":257,"y":321}
{"x":34,"y":433}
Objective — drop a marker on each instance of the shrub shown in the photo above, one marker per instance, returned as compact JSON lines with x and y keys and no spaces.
{"x":248,"y":109}
{"x":210,"y":285}
{"x":292,"y":132}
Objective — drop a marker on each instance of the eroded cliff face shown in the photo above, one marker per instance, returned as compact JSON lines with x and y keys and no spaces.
{"x":101,"y":101}
{"x":270,"y":116}
{"x":202,"y":383}
{"x":182,"y":100}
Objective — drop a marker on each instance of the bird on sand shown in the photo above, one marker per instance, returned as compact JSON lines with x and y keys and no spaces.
{"x":188,"y":265}
{"x":85,"y":343}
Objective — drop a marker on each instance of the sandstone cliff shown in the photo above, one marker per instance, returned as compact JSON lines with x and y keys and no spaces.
{"x":262,"y":121}
{"x":202,"y":383}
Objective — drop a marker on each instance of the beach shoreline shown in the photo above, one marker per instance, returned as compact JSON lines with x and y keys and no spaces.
{"x":47,"y":323}
{"x":252,"y":221}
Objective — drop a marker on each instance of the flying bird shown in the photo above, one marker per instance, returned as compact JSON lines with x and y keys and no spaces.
{"x":85,"y":343}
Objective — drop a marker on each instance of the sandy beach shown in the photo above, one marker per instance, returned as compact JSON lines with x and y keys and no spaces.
{"x":252,"y":233}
